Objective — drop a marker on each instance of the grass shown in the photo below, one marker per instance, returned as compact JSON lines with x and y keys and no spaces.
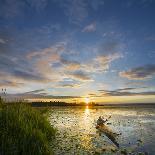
{"x":24,"y":130}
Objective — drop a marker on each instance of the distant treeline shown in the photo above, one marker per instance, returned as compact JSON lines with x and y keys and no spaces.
{"x":58,"y":103}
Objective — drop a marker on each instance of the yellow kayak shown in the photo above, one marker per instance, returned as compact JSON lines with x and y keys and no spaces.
{"x":108,"y":132}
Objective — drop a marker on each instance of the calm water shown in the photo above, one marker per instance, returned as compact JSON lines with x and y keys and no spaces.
{"x":77,"y":133}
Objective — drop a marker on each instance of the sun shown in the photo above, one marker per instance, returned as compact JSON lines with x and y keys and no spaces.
{"x":87,"y":100}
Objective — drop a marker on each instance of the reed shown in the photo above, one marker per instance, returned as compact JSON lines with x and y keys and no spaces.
{"x":24,"y":130}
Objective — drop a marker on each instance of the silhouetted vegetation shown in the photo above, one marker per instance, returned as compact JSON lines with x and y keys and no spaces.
{"x":24,"y":130}
{"x":58,"y":103}
{"x":91,"y":104}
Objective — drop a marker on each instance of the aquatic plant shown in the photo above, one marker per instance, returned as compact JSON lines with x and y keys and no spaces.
{"x":24,"y":130}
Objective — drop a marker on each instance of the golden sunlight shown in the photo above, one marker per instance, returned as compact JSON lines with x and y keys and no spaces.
{"x":87,"y":100}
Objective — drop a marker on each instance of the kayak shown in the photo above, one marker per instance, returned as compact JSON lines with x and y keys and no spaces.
{"x":108,"y":132}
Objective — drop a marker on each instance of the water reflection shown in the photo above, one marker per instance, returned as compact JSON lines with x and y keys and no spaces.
{"x":87,"y":112}
{"x":78,"y":135}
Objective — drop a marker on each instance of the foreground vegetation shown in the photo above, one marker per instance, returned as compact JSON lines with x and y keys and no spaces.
{"x":24,"y":130}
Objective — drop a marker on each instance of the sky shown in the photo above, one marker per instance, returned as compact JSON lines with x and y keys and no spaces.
{"x":70,"y":50}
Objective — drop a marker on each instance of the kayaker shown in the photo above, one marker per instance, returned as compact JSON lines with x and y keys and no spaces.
{"x":101,"y":121}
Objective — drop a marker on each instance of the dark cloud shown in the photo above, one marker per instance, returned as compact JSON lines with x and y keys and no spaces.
{"x":110,"y":47}
{"x":107,"y":52}
{"x":125,"y":89}
{"x":70,"y":85}
{"x":121,"y":89}
{"x":35,"y":91}
{"x":29,"y":76}
{"x":70,"y":64}
{"x":90,"y":28}
{"x":125,"y":92}
{"x":139,"y":73}
{"x":81,"y":75}
{"x":6,"y":63}
{"x":6,"y":83}
{"x":33,"y":95}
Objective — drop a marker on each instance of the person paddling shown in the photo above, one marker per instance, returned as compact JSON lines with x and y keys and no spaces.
{"x":101,"y":121}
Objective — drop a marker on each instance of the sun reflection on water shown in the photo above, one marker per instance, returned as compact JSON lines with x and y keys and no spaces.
{"x":78,"y":134}
{"x":86,"y":139}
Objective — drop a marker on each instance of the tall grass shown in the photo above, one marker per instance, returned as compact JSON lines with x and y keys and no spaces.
{"x":24,"y":131}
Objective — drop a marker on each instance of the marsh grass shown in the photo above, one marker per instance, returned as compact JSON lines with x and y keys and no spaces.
{"x":24,"y":130}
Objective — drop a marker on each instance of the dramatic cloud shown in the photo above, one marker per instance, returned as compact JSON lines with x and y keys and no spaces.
{"x":32,"y":95}
{"x":102,"y":62}
{"x":125,"y":92}
{"x":6,"y":83}
{"x":69,"y":47}
{"x":80,"y":75}
{"x":139,"y":73}
{"x":30,"y":76}
{"x":35,"y":91}
{"x":115,"y":93}
{"x":70,"y":85}
{"x":44,"y":59}
{"x":119,"y":90}
{"x":90,"y":28}
{"x":70,"y":65}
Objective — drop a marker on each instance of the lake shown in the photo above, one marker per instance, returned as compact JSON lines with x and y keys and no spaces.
{"x":77,"y":134}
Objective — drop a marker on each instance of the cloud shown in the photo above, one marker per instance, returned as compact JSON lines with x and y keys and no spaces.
{"x":90,"y":28}
{"x":106,"y":53}
{"x":96,"y":4}
{"x":110,"y":47}
{"x":16,"y":8}
{"x":75,"y":10}
{"x":102,"y":55}
{"x":139,"y":73}
{"x":6,"y":83}
{"x":52,"y":52}
{"x":2,"y":41}
{"x":36,"y":67}
{"x":80,"y":75}
{"x":102,"y":62}
{"x":33,"y":95}
{"x":38,"y":5}
{"x":30,"y":76}
{"x":69,"y":83}
{"x":70,"y":65}
{"x":125,"y":92}
{"x":78,"y":10}
{"x":35,"y":91}
{"x":44,"y":59}
{"x":11,"y":9}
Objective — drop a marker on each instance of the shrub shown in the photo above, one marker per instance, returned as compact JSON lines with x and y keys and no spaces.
{"x":24,"y":130}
